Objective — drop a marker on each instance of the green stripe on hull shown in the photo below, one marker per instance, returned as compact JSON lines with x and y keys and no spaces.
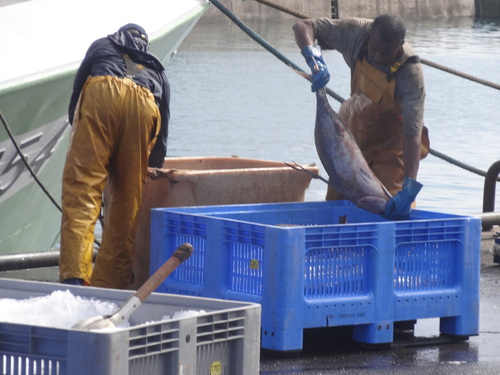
{"x":30,"y":221}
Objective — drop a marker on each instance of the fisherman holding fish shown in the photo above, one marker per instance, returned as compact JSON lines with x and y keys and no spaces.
{"x":119,"y":110}
{"x":386,"y":106}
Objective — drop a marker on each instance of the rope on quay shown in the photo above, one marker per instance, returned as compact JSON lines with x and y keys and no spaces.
{"x":423,"y":61}
{"x":334,"y":95}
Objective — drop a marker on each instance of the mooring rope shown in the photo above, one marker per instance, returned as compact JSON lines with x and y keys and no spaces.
{"x":25,"y":161}
{"x":283,"y":9}
{"x":28,"y":167}
{"x":459,"y":164}
{"x":460,"y":74}
{"x":288,"y":62}
{"x":423,"y":61}
{"x":252,"y":34}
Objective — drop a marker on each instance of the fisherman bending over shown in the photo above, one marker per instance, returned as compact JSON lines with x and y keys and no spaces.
{"x":119,"y":110}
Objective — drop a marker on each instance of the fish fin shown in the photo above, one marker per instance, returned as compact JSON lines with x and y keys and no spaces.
{"x":300,"y":168}
{"x":387,"y":192}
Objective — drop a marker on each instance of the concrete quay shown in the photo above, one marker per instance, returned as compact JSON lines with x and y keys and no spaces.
{"x":248,"y":9}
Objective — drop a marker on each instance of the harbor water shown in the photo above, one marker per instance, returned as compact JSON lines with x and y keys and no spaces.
{"x":230,"y":96}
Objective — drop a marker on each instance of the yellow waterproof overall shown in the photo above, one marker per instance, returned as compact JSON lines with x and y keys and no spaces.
{"x":375,"y":120}
{"x":114,"y":129}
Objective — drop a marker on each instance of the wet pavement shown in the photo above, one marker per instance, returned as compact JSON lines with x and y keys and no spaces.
{"x":422,"y":351}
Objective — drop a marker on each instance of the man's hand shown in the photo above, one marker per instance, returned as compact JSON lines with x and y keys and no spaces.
{"x":153,"y":174}
{"x":320,"y":75}
{"x":156,"y":173}
{"x":399,"y":206}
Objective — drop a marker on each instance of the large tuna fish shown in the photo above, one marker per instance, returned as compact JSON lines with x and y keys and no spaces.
{"x":343,"y":161}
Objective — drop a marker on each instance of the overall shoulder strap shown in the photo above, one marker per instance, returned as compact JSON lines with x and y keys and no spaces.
{"x":131,"y":66}
{"x":398,"y":64}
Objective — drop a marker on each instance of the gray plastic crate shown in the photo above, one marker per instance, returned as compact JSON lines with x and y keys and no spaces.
{"x":224,"y":340}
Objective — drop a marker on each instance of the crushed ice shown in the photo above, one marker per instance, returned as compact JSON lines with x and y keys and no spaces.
{"x":62,"y":309}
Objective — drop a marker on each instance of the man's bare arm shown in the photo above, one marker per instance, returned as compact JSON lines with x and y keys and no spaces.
{"x":411,"y":155}
{"x":304,"y":33}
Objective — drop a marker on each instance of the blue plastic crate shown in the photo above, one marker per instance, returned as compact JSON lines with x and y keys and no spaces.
{"x":320,"y":264}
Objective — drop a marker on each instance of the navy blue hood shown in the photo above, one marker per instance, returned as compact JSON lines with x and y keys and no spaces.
{"x":135,"y":46}
{"x":135,"y":26}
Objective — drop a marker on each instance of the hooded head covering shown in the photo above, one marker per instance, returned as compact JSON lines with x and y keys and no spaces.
{"x":131,"y":27}
{"x":133,"y":39}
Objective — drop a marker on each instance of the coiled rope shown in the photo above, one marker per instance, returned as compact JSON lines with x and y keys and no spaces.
{"x":334,"y":95}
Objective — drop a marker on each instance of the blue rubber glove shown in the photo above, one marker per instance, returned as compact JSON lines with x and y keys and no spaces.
{"x":399,"y":206}
{"x":320,"y":75}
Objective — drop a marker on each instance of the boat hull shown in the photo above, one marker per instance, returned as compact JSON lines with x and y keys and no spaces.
{"x":35,"y":109}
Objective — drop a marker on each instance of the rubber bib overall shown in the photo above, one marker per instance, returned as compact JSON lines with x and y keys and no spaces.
{"x":374,"y":117}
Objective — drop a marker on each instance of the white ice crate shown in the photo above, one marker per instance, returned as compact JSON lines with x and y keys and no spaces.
{"x":223,"y":339}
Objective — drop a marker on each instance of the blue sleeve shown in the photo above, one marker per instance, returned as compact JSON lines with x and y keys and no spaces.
{"x":159,"y":151}
{"x":81,"y":77}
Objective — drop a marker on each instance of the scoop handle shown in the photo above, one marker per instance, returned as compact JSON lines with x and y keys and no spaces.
{"x":182,"y":253}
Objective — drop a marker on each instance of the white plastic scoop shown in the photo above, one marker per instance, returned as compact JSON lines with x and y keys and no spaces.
{"x":182,"y":253}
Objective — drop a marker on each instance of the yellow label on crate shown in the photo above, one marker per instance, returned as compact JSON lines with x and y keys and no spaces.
{"x":216,"y":368}
{"x":254,"y":264}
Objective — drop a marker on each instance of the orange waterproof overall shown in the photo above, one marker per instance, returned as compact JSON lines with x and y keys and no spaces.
{"x":375,"y":120}
{"x":114,"y":129}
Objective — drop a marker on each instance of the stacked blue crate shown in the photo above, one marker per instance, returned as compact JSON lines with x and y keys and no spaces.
{"x":320,"y":264}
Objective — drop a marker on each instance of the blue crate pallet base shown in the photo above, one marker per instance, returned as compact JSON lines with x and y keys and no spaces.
{"x":308,"y":271}
{"x":377,"y":333}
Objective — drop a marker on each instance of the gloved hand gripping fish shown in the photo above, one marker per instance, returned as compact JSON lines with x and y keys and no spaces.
{"x":348,"y":170}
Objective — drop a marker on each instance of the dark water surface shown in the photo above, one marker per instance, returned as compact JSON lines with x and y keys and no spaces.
{"x":230,"y":96}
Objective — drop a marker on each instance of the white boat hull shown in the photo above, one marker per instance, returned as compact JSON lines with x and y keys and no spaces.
{"x":34,"y":99}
